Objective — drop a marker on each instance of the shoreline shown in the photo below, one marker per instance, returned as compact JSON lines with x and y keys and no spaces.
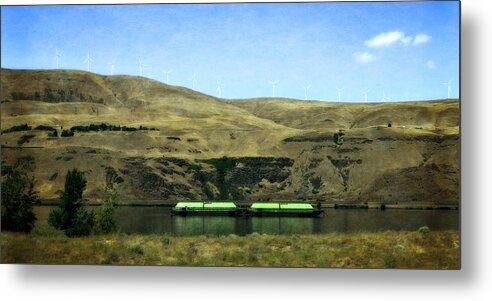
{"x":341,"y":206}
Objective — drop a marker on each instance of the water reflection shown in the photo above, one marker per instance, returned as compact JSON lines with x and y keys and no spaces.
{"x":283,"y":225}
{"x":208,"y":225}
{"x":160,"y":220}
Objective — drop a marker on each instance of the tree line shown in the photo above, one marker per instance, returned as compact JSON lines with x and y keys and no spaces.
{"x":19,"y":197}
{"x":103,"y":127}
{"x":79,"y":128}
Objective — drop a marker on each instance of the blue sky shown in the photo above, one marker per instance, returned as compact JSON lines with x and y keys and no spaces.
{"x":404,"y":49}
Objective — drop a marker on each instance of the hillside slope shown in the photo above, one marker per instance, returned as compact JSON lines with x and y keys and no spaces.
{"x":274,"y":148}
{"x":318,"y":115}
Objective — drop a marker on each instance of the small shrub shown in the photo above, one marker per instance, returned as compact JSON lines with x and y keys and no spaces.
{"x":82,"y":224}
{"x":25,"y":139}
{"x":424,"y":230}
{"x":400,"y":248}
{"x":53,"y":176}
{"x":105,"y":222}
{"x":136,"y":247}
{"x":338,"y":137}
{"x":66,"y":133}
{"x":55,"y":218}
{"x":111,"y":258}
{"x":44,"y":231}
{"x":173,"y":138}
{"x":128,"y":129}
{"x":104,"y":219}
{"x":53,"y":134}
{"x":316,"y":182}
{"x":166,"y":240}
{"x":192,"y":250}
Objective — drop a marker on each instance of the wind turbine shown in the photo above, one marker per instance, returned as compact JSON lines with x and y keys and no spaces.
{"x":384,"y":99}
{"x":449,"y":87}
{"x":306,"y":88}
{"x":88,"y":60}
{"x":57,"y":57}
{"x":219,"y":88}
{"x":193,"y":80}
{"x":141,"y":66}
{"x":365,"y":94}
{"x":112,"y":63}
{"x":339,"y":90}
{"x":167,"y":75}
{"x":273,"y":83}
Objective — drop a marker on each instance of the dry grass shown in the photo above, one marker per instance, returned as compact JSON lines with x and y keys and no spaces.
{"x":413,"y":250}
{"x":418,"y":153}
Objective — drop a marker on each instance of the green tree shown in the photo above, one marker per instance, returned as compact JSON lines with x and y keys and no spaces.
{"x":338,"y":138}
{"x":105,"y":222}
{"x":18,"y":197}
{"x":71,"y":217}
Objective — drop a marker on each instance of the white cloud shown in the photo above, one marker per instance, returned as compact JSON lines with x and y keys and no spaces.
{"x":388,"y":38}
{"x":406,"y":40}
{"x":421,"y":39}
{"x":364,"y":57}
{"x":431,"y":64}
{"x":385,"y":39}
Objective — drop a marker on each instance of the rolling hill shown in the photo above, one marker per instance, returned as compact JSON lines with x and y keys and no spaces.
{"x":205,"y":147}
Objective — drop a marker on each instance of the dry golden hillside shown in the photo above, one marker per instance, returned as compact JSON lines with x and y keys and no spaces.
{"x":206,"y":148}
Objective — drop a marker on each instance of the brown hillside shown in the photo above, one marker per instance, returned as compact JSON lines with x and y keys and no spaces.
{"x":281,"y":148}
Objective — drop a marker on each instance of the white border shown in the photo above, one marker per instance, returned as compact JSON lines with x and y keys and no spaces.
{"x":473,"y":282}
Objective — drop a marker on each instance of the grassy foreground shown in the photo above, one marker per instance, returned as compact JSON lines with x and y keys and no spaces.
{"x":391,"y":249}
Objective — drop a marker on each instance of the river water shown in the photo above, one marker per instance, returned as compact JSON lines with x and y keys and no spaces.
{"x":160,"y":220}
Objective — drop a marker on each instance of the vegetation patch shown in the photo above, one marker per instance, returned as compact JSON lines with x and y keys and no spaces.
{"x":18,"y":197}
{"x":222,"y":165}
{"x":320,"y":138}
{"x":202,"y":178}
{"x":53,"y":176}
{"x":71,"y":217}
{"x":58,"y":95}
{"x":25,"y":139}
{"x":67,"y":133}
{"x":103,"y":127}
{"x":314,"y":163}
{"x":107,"y":127}
{"x":343,"y":166}
{"x":338,"y":137}
{"x":18,"y":128}
{"x":316,"y":183}
{"x":173,"y":138}
{"x":389,"y":249}
{"x":45,"y":128}
{"x":358,"y":140}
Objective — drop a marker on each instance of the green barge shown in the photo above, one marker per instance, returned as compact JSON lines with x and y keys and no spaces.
{"x":256,"y":209}
{"x":284,"y":209}
{"x":205,"y":208}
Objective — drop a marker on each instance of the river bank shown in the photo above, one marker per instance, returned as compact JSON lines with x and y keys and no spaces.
{"x":389,"y":249}
{"x":324,"y":205}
